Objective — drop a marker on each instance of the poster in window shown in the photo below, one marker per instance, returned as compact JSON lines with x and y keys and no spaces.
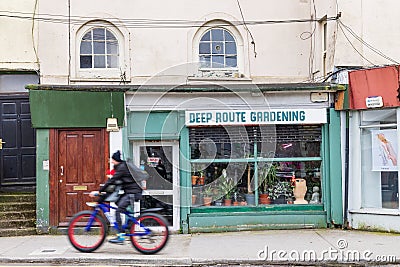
{"x":384,"y":150}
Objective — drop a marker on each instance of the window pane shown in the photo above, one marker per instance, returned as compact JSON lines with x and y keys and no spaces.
{"x":230,"y":48}
{"x":390,"y":190}
{"x":218,"y":48}
{"x":112,"y":48}
{"x":112,"y":62}
{"x":217,"y":35}
{"x":218,"y":61}
{"x":98,"y":34}
{"x":228,"y":37}
{"x":206,"y":36}
{"x":86,"y":48}
{"x":231,"y":61}
{"x":99,"y":48}
{"x":110,"y":36}
{"x":205,"y":61}
{"x":204,"y":48}
{"x":86,"y":62}
{"x":99,"y":62}
{"x":87,"y":36}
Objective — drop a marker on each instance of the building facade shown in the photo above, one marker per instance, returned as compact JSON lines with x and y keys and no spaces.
{"x":366,"y":59}
{"x":18,"y":66}
{"x":213,"y":99}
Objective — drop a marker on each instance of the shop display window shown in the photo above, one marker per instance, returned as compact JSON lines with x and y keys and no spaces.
{"x":379,"y":159}
{"x":236,"y":166}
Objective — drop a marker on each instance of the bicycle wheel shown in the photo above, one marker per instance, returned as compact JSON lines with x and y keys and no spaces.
{"x":85,"y":232}
{"x":150,"y":233}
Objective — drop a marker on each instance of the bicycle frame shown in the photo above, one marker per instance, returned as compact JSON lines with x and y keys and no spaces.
{"x":105,"y":209}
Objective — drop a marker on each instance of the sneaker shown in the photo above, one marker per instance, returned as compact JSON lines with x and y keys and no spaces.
{"x":118,"y":240}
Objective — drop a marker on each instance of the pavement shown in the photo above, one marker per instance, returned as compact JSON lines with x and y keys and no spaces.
{"x":245,"y":248}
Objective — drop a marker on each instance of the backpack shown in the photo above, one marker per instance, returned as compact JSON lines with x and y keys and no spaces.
{"x":137,"y":173}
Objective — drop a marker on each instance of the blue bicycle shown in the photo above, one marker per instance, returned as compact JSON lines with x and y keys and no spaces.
{"x":88,"y":229}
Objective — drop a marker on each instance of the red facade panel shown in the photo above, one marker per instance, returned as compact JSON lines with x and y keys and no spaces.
{"x":382,"y":82}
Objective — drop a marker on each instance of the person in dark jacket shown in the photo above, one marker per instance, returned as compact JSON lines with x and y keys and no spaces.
{"x":122,"y":177}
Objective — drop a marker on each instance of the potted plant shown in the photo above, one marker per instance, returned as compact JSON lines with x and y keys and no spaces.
{"x":267,"y":179}
{"x":281,"y":192}
{"x":207,"y":195}
{"x":250,"y":197}
{"x":201,"y":178}
{"x":226,"y":187}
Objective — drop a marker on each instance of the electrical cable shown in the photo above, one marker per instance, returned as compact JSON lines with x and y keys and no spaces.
{"x":247,"y":29}
{"x":365,"y":43}
{"x":143,"y":23}
{"x":340,"y":26}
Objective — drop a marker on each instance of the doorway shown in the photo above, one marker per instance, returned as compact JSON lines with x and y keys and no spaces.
{"x":161,"y":160}
{"x":78,"y":162}
{"x":17,"y":145}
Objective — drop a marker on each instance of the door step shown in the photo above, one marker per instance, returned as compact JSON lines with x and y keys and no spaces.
{"x":17,"y":214}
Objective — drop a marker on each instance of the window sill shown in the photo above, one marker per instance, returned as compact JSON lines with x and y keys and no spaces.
{"x":217,"y":79}
{"x":97,"y":79}
{"x":376,"y":211}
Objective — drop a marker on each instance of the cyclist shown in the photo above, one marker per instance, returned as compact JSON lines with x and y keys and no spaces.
{"x":122,"y":177}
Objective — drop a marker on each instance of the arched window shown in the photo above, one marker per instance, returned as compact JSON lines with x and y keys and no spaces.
{"x":99,"y":49}
{"x":217,"y":49}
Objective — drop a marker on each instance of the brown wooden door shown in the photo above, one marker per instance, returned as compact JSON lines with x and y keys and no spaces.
{"x":81,"y":160}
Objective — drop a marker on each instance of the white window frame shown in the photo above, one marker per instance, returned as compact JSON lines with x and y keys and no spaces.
{"x":224,"y":54}
{"x":219,"y":20}
{"x":122,"y":37}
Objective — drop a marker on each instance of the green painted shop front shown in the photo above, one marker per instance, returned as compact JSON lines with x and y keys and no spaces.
{"x":171,"y":125}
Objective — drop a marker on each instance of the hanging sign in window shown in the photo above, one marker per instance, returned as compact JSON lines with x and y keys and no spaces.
{"x":251,"y":117}
{"x":384,"y":150}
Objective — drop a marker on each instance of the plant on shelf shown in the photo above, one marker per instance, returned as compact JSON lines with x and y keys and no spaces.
{"x":208,"y":193}
{"x":281,"y":190}
{"x":226,"y":186}
{"x":267,"y":180}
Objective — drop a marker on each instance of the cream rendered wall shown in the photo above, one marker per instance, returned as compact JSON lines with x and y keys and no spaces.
{"x":282,"y":55}
{"x":376,"y":23}
{"x":17,"y":38}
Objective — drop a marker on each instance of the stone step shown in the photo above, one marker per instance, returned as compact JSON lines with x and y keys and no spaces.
{"x":17,"y":231}
{"x":17,"y":197}
{"x":17,"y":206}
{"x":20,"y":215}
{"x":18,"y":224}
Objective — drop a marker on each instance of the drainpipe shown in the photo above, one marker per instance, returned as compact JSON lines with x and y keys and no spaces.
{"x":346,"y":174}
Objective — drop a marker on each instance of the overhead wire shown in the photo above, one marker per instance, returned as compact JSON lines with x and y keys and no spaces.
{"x":245,"y":26}
{"x":375,"y":50}
{"x":142,"y":23}
{"x":358,"y":52}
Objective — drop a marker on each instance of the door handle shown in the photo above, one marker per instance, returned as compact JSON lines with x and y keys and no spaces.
{"x":62,"y":170}
{"x":1,"y":143}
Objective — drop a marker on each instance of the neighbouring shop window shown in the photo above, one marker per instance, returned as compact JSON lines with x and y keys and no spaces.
{"x":232,"y":165}
{"x":379,"y":159}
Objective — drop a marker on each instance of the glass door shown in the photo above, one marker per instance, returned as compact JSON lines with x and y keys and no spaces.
{"x":160,"y":159}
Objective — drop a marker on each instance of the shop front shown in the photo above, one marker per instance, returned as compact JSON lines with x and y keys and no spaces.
{"x":373,"y":117}
{"x":235,"y":167}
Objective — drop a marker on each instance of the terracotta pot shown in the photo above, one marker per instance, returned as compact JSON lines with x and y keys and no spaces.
{"x":201,"y":180}
{"x":227,"y":202}
{"x":264,"y":199}
{"x":194,"y":179}
{"x":236,"y":203}
{"x":207,"y":201}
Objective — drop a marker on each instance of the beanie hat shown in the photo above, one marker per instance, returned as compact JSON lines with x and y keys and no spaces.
{"x":117,"y":156}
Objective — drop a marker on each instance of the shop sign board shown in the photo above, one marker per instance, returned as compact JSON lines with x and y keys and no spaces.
{"x":253,"y":117}
{"x":384,"y":150}
{"x":374,"y":102}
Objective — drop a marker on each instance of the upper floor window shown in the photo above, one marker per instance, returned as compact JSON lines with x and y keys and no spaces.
{"x":217,"y":49}
{"x":99,"y":49}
